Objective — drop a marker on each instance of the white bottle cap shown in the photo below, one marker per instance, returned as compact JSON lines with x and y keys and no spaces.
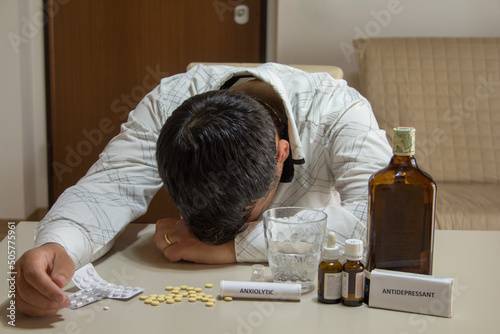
{"x":354,"y":249}
{"x":331,"y":251}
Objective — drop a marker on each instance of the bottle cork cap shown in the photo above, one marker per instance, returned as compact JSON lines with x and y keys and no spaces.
{"x":404,"y":141}
{"x":354,"y":249}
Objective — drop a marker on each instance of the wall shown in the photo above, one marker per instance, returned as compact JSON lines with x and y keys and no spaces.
{"x":304,"y":31}
{"x":23,"y":137}
{"x":23,"y":181}
{"x":321,"y":31}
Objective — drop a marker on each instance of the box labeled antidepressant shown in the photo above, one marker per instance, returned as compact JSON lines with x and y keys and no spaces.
{"x":400,"y":291}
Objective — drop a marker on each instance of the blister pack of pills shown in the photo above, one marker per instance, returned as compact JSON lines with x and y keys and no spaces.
{"x":93,"y":288}
{"x":84,"y":297}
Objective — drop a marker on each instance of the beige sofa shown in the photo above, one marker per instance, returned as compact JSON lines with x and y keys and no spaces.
{"x":449,"y":90}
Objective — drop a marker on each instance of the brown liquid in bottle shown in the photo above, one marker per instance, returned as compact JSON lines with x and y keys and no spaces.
{"x":401,"y":217}
{"x":352,"y":270}
{"x":330,"y":274}
{"x":353,"y":276}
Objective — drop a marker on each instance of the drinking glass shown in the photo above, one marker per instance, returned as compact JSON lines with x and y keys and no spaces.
{"x":294,"y":240}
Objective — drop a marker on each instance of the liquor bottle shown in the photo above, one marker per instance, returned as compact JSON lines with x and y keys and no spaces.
{"x":353,"y":273}
{"x":330,"y":273}
{"x":402,"y":201}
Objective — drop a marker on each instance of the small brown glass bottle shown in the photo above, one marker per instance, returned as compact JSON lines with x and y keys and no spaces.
{"x":330,"y":273}
{"x":353,"y":274}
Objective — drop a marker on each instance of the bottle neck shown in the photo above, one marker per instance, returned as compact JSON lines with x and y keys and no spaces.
{"x":353,"y":258}
{"x":330,"y":254}
{"x":404,"y":160}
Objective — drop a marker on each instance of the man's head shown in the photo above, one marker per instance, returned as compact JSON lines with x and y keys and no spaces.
{"x":217,"y":155}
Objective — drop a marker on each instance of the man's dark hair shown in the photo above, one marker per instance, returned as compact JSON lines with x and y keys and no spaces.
{"x":216,"y":155}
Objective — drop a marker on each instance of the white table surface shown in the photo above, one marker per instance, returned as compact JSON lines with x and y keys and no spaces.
{"x":470,"y":257}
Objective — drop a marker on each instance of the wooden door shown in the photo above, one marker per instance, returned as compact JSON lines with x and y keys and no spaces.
{"x":105,"y":55}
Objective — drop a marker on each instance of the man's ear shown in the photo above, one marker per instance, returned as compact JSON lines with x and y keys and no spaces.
{"x":283,"y":150}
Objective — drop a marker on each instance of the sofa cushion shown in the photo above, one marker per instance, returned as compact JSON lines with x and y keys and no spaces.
{"x":449,"y":90}
{"x":468,"y":206}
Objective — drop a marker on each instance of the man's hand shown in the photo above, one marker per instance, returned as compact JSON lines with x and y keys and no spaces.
{"x":42,"y":272}
{"x":185,"y":246}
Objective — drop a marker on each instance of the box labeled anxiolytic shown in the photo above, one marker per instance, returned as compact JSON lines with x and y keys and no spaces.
{"x":409,"y":292}
{"x":260,"y":290}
